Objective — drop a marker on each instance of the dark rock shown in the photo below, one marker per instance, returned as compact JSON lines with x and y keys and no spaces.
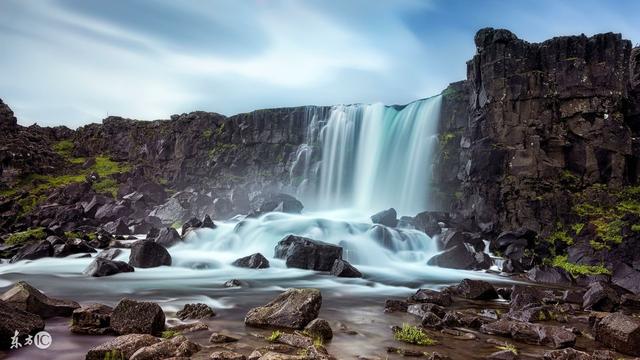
{"x":112,"y":211}
{"x":428,"y":222}
{"x":191,"y":224}
{"x":432,"y":296}
{"x":104,"y":267}
{"x":477,"y":290}
{"x":208,"y":223}
{"x":12,"y":320}
{"x":620,"y":332}
{"x":464,"y":319}
{"x":342,"y":268}
{"x":503,"y":355}
{"x":463,"y":257}
{"x":548,"y":335}
{"x":573,"y":296}
{"x":392,"y":305}
{"x":523,"y":297}
{"x":452,"y":238}
{"x":136,"y":317}
{"x":178,"y":347}
{"x":233,"y":283}
{"x":168,"y":237}
{"x":123,"y":346}
{"x":504,"y":292}
{"x":34,"y":251}
{"x":420,"y":310}
{"x":431,"y":320}
{"x":109,"y":254}
{"x":217,"y":338}
{"x":255,"y":261}
{"x":549,"y":275}
{"x":72,"y":246}
{"x":295,"y":308}
{"x":229,"y":355}
{"x":170,"y":212}
{"x":319,"y":328}
{"x":276,"y":202}
{"x":303,"y":253}
{"x":567,"y":354}
{"x":153,"y":233}
{"x":148,"y":254}
{"x":627,"y":278}
{"x":93,"y":319}
{"x":27,"y":298}
{"x":223,"y":208}
{"x":601,"y":297}
{"x":630,"y":302}
{"x":195,"y":311}
{"x":117,"y":227}
{"x":387,"y":217}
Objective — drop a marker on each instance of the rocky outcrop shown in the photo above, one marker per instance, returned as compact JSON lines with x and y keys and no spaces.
{"x":137,"y":317}
{"x":294,"y":309}
{"x":25,"y":297}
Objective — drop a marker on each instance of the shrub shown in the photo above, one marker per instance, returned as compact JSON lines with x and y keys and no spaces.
{"x":562,"y":261}
{"x":412,"y":335}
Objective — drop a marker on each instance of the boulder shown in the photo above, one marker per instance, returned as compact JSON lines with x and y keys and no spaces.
{"x":319,"y":328}
{"x":191,"y":224}
{"x":568,"y":354}
{"x":12,"y":320}
{"x":25,"y":297}
{"x":477,"y":290}
{"x":170,"y":212}
{"x":523,"y":297}
{"x":304,"y":253}
{"x":387,"y":217}
{"x":254,"y":261}
{"x":553,"y":336}
{"x":432,"y":296}
{"x":112,"y":211}
{"x":195,"y":311}
{"x":463,"y":257}
{"x":429,"y":222}
{"x":294,"y":309}
{"x":420,"y":310}
{"x":223,"y":208}
{"x":122,"y":347}
{"x":148,"y":254}
{"x":234,"y":283}
{"x":34,"y":251}
{"x":168,"y":237}
{"x":176,"y":347}
{"x":117,"y":227}
{"x":275,"y":202}
{"x":392,"y":305}
{"x":109,"y":254}
{"x":100,"y":267}
{"x":217,"y":338}
{"x":601,"y":297}
{"x":453,"y":237}
{"x":342,"y":268}
{"x":549,"y":275}
{"x":137,"y":317}
{"x":620,"y":332}
{"x":503,"y":355}
{"x":626,"y":277}
{"x":208,"y":223}
{"x":72,"y":246}
{"x":573,"y":296}
{"x":226,"y":355}
{"x":93,"y":319}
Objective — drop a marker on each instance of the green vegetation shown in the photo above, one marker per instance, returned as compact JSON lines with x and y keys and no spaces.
{"x":220,"y":130}
{"x":561,"y":261}
{"x":220,"y":148}
{"x":207,"y":134}
{"x":318,"y":342}
{"x":412,"y":335}
{"x":508,"y":347}
{"x":561,"y":236}
{"x":107,"y":185}
{"x":445,"y":138}
{"x":26,"y":236}
{"x":114,"y":355}
{"x":63,"y":148}
{"x":177,"y":225}
{"x":168,"y":334}
{"x":274,"y":336}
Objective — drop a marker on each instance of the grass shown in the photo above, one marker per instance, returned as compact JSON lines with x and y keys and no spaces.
{"x":318,"y":342}
{"x":114,"y":355}
{"x":63,"y":148}
{"x":561,"y":261}
{"x":168,"y":334}
{"x":508,"y":347}
{"x":560,"y":236}
{"x":275,"y":335}
{"x":412,"y":335}
{"x":26,"y":236}
{"x":107,"y":185}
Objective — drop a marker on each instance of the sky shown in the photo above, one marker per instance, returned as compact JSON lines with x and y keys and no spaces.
{"x":73,"y":62}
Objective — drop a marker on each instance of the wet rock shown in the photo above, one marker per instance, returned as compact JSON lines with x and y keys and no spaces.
{"x":319,"y":328}
{"x":93,"y":319}
{"x":630,"y":302}
{"x":304,"y":253}
{"x":25,"y":297}
{"x":294,"y":309}
{"x":342,"y":268}
{"x":453,"y":238}
{"x":191,"y":224}
{"x":503,"y":355}
{"x":112,"y":211}
{"x":573,"y":296}
{"x":217,"y":338}
{"x":525,"y":297}
{"x":627,"y":278}
{"x":170,"y":212}
{"x":233,"y":283}
{"x":226,"y":355}
{"x":121,"y":347}
{"x":296,"y":340}
{"x":463,"y":257}
{"x":620,"y":332}
{"x":34,"y":251}
{"x":392,"y":305}
{"x":428,"y":222}
{"x":276,"y":202}
{"x":504,"y":292}
{"x":118,"y":227}
{"x":431,"y":320}
{"x":548,"y":335}
{"x":100,"y":267}
{"x":432,"y":296}
{"x":72,"y":246}
{"x":530,"y":314}
{"x":601,"y":297}
{"x":109,"y":254}
{"x":208,"y":223}
{"x":437,"y":356}
{"x":195,"y":311}
{"x":177,"y":346}
{"x":549,"y":275}
{"x":387,"y":217}
{"x":477,"y":290}
{"x":168,"y":237}
{"x":136,"y":317}
{"x":254,"y":261}
{"x":12,"y":320}
{"x":466,"y":319}
{"x":566,"y":354}
{"x":420,"y":310}
{"x":148,"y":254}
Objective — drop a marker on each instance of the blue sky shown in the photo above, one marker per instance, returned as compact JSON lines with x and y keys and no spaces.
{"x":74,"y":62}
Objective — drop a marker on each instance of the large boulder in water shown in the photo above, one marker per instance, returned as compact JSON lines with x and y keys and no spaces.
{"x":429,"y":222}
{"x":12,"y":320}
{"x":148,"y":254}
{"x":93,"y":319}
{"x":620,"y":332}
{"x":104,"y":267}
{"x":25,"y":297}
{"x":387,"y":217}
{"x":293,"y":309}
{"x":342,"y":268}
{"x":265,"y":203}
{"x":168,"y":237}
{"x":122,"y":347}
{"x":477,"y":290}
{"x":462,"y":256}
{"x":34,"y":251}
{"x":254,"y":261}
{"x":137,"y":317}
{"x":304,"y":253}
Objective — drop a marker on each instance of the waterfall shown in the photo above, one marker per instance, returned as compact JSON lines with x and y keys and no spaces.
{"x":372,"y":156}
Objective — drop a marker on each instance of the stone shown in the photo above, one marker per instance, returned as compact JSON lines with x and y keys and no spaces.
{"x":170,"y":212}
{"x":477,"y":290}
{"x":72,"y":246}
{"x":208,"y":223}
{"x":100,"y":267}
{"x":342,"y":268}
{"x":168,"y":237}
{"x":566,"y":354}
{"x":573,"y":296}
{"x":121,"y":347}
{"x":293,"y":309}
{"x":178,"y":346}
{"x":93,"y":319}
{"x":319,"y":328}
{"x":503,"y":355}
{"x":432,"y":296}
{"x":117,"y":227}
{"x":549,"y":335}
{"x":254,"y":261}
{"x":463,"y":257}
{"x":25,"y":297}
{"x":195,"y":311}
{"x":191,"y":224}
{"x":392,"y":305}
{"x":226,"y":355}
{"x":420,"y":310}
{"x":34,"y":251}
{"x":137,"y":317}
{"x":431,"y":320}
{"x":549,"y":275}
{"x":626,"y":277}
{"x":217,"y":338}
{"x":620,"y":332}
{"x":276,"y":202}
{"x":12,"y":320}
{"x":296,"y":340}
{"x":304,"y":253}
{"x":601,"y":297}
{"x":148,"y":254}
{"x":233,"y":283}
{"x":109,"y":254}
{"x":387,"y":217}
{"x":429,"y":222}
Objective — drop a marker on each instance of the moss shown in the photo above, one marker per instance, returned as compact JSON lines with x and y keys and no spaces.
{"x":63,"y":148}
{"x":168,"y":334}
{"x":561,"y":261}
{"x":561,"y":236}
{"x":177,"y":225}
{"x":445,"y":138}
{"x":73,"y":234}
{"x":113,"y":355}
{"x":635,"y":228}
{"x":412,"y":335}
{"x":318,"y":342}
{"x":275,"y":335}
{"x":577,"y":228}
{"x":26,"y":236}
{"x":29,"y":203}
{"x":207,"y":134}
{"x":588,"y":210}
{"x":220,"y":130}
{"x":220,"y":148}
{"x":107,"y":185}
{"x":508,"y":347}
